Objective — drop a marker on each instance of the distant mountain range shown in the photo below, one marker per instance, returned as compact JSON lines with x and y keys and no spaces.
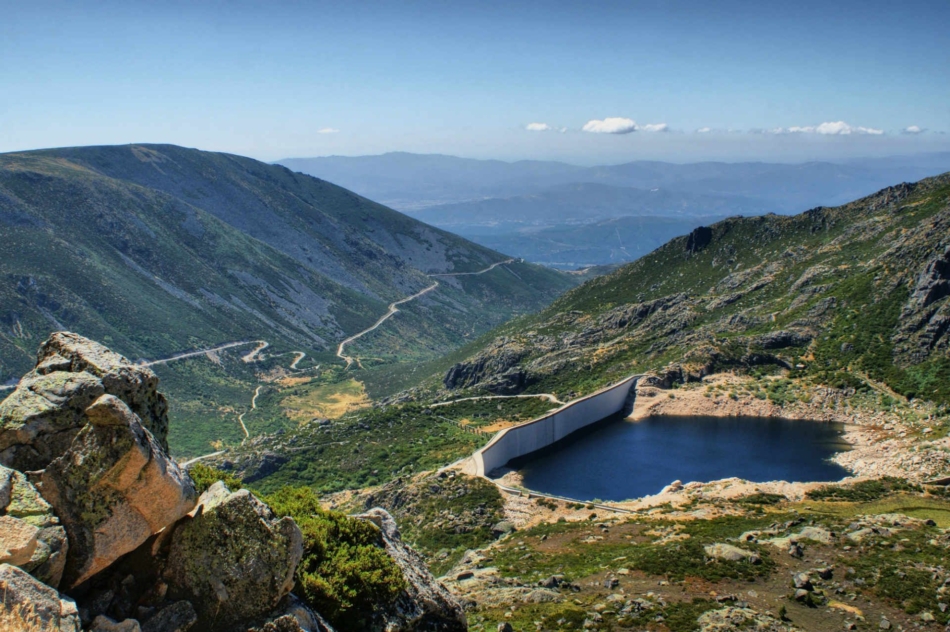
{"x":414,"y":181}
{"x":494,"y":202}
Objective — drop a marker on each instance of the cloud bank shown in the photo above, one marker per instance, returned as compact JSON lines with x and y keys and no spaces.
{"x":538,"y":127}
{"x":611,"y":125}
{"x":913,"y":129}
{"x":621,"y":125}
{"x":830,"y":128}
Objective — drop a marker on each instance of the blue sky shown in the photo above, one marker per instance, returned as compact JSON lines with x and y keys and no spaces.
{"x":280,"y":79}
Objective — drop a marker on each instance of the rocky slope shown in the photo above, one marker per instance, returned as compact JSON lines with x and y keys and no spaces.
{"x":852,"y":296}
{"x":100,"y":530}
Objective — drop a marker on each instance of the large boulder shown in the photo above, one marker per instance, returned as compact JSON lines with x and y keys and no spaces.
{"x":28,"y":604}
{"x":112,"y":488}
{"x":39,"y":420}
{"x":232,"y":558}
{"x":426,"y":604}
{"x":30,"y":534}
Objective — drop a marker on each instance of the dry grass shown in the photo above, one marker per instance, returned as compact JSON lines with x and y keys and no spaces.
{"x":22,"y":618}
{"x":330,"y":401}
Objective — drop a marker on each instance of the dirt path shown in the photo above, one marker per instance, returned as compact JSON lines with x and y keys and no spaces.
{"x":192,"y":354}
{"x":394,"y":308}
{"x":257,"y":391}
{"x":545,"y":396}
{"x":199,"y":458}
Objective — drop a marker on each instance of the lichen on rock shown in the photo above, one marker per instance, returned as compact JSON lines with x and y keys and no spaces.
{"x":47,"y":409}
{"x":113,"y":488}
{"x":232,"y":558}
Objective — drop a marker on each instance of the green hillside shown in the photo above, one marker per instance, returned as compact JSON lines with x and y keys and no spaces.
{"x":844,"y":296}
{"x":158,"y":250}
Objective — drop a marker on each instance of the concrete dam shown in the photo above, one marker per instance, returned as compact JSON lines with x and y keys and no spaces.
{"x":539,"y":433}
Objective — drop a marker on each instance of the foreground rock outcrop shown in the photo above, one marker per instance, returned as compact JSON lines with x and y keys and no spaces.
{"x":39,"y":420}
{"x":92,"y":504}
{"x":426,"y":604}
{"x":113,"y":488}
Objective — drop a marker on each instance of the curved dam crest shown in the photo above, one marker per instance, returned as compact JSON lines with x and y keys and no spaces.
{"x":522,"y":443}
{"x":539,"y":433}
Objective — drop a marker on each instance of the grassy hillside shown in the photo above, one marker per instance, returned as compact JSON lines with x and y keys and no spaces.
{"x":157,"y":250}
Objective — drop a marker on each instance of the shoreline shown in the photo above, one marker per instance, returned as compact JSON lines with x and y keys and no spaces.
{"x":880,"y":443}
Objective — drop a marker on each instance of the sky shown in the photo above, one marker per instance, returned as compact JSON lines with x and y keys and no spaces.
{"x":581,"y":81}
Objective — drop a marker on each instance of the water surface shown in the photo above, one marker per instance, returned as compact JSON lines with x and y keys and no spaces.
{"x":617,"y":459}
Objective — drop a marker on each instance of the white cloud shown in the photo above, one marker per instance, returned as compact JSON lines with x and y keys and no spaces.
{"x":829,"y":128}
{"x":913,"y":129}
{"x":538,"y":127}
{"x":328,"y":130}
{"x":611,"y":125}
{"x":704,"y":130}
{"x":656,"y":127}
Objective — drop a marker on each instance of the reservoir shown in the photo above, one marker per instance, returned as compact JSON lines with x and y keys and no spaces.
{"x":617,"y":459}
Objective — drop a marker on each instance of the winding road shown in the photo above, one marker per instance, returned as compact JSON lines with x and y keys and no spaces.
{"x":254,"y":354}
{"x":393,"y":307}
{"x":192,"y":354}
{"x":257,"y":391}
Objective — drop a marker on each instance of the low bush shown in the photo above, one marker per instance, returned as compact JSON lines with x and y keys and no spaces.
{"x":345,"y":573}
{"x":205,"y":476}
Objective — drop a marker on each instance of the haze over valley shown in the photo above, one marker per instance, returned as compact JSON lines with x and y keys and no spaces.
{"x":562,"y":215}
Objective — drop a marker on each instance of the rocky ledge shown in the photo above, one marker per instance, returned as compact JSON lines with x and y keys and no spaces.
{"x":101,"y":530}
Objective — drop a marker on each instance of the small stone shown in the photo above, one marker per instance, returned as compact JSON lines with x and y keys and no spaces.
{"x":801,"y":594}
{"x":505,"y":627}
{"x":103,"y":623}
{"x":178,"y":617}
{"x":18,"y":541}
{"x":927,"y":617}
{"x":802,"y":581}
{"x":884,"y":624}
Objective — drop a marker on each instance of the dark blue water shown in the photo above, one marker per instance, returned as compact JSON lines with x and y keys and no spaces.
{"x":619,"y":460}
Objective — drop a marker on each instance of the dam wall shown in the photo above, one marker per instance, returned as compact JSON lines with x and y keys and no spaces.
{"x":539,"y":433}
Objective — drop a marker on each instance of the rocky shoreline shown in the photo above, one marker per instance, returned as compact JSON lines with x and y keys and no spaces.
{"x":882,"y":442}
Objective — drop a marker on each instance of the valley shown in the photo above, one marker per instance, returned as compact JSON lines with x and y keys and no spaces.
{"x":748,"y":317}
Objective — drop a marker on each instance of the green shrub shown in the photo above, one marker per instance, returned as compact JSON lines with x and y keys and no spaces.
{"x":205,"y":476}
{"x":345,"y":574}
{"x":864,"y":491}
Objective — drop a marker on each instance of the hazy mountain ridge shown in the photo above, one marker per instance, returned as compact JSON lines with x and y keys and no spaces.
{"x":500,"y":204}
{"x":414,"y":181}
